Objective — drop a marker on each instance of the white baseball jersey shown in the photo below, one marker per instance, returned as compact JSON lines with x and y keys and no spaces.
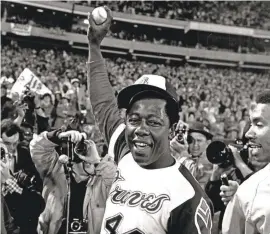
{"x":155,"y":201}
{"x":158,"y":201}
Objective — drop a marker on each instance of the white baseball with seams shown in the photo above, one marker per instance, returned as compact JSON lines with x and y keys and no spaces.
{"x":99,"y":15}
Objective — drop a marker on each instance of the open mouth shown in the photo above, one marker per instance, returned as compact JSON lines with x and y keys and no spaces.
{"x":140,"y":145}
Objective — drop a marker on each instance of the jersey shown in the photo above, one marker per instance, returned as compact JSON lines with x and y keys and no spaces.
{"x":151,"y":201}
{"x":167,"y":200}
{"x":249,"y":211}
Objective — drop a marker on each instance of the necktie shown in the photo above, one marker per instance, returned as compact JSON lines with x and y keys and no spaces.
{"x":12,"y":162}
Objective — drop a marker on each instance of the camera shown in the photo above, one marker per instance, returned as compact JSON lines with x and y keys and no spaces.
{"x":219,"y":153}
{"x":28,"y":98}
{"x":78,"y":226}
{"x":180,"y":135}
{"x":69,"y":148}
{"x":25,"y":180}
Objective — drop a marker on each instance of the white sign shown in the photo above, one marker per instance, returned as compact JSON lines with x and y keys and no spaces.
{"x":21,"y":29}
{"x":29,"y":79}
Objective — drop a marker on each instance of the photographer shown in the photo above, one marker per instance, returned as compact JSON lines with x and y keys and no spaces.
{"x":23,"y":203}
{"x":233,"y":163}
{"x":90,"y":181}
{"x":29,"y":111}
{"x":189,"y":146}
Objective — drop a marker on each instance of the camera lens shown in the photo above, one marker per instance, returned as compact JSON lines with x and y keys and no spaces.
{"x":75,"y":226}
{"x":217,"y":152}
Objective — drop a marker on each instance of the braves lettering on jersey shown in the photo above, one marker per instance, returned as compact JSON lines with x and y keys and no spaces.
{"x":167,"y":200}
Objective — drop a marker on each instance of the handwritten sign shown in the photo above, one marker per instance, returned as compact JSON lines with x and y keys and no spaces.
{"x":29,"y":79}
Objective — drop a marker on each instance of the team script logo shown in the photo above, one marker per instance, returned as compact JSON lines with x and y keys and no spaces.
{"x":147,"y":202}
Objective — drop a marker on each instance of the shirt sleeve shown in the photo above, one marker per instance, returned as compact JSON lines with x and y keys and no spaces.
{"x":194,"y":216}
{"x":103,"y":100}
{"x":234,"y":219}
{"x":43,"y":153}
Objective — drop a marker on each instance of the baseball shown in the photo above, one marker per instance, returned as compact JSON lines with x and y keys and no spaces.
{"x":99,"y":15}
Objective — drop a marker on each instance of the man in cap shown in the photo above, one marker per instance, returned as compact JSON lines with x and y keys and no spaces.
{"x":152,"y":192}
{"x":193,"y":155}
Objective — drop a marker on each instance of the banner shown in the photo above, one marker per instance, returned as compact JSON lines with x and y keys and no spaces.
{"x":21,"y":29}
{"x":28,"y":79}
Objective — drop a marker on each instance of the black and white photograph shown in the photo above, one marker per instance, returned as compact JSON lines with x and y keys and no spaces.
{"x":135,"y":117}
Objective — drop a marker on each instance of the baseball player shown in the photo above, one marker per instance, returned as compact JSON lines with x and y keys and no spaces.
{"x":151,"y":193}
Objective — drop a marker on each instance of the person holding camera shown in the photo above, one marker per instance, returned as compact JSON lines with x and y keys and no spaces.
{"x":8,"y":225}
{"x":189,"y":146}
{"x":23,"y":202}
{"x":80,"y":169}
{"x":29,"y":110}
{"x":248,"y":212}
{"x":231,"y":168}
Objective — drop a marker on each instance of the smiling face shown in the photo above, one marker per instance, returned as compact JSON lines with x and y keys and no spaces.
{"x":147,"y":133}
{"x":259,"y":134}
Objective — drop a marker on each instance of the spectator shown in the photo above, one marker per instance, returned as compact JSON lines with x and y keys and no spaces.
{"x":46,"y":104}
{"x":25,"y":202}
{"x":63,"y":112}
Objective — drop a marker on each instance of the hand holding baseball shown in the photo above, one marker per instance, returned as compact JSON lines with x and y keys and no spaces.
{"x":99,"y":25}
{"x":99,"y":15}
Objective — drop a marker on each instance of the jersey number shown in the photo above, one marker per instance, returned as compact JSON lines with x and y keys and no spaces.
{"x":113,"y":223}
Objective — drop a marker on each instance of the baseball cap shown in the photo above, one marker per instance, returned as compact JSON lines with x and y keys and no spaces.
{"x":152,"y":84}
{"x":197,"y":126}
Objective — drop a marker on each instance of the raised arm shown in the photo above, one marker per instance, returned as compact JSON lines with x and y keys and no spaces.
{"x":101,"y":92}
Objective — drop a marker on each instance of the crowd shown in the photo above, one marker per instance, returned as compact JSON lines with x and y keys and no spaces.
{"x":244,"y":14}
{"x":126,"y":31}
{"x":221,"y":95}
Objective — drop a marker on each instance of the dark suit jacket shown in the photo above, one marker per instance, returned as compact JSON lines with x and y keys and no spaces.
{"x":25,"y":163}
{"x":25,"y":208}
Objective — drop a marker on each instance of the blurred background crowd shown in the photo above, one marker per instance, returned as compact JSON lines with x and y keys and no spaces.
{"x":224,"y":12}
{"x":218,"y":96}
{"x":252,"y":14}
